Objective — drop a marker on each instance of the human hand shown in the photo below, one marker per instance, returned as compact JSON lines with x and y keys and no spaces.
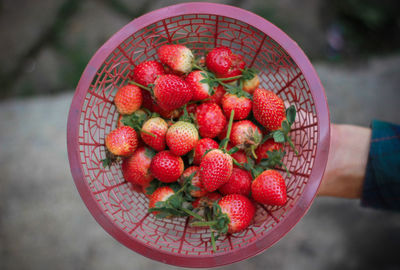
{"x":347,"y":162}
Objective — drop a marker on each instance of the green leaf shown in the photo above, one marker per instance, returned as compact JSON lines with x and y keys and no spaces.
{"x":162,"y":215}
{"x":153,"y":186}
{"x":223,"y":142}
{"x":291,"y":114}
{"x":233,"y":150}
{"x":285,"y":127}
{"x":249,"y":73}
{"x":278,"y":136}
{"x":175,"y":201}
{"x":160,"y":204}
{"x":106,"y":162}
{"x":148,"y":152}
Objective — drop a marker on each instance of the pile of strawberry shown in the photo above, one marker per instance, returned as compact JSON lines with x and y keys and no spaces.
{"x":201,"y":138}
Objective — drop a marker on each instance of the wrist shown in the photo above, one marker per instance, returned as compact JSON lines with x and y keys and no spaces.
{"x":347,"y":161}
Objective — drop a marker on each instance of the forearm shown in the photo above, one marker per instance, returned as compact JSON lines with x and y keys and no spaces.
{"x":347,"y":161}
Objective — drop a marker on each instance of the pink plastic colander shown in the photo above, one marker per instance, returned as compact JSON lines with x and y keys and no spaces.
{"x":118,"y":207}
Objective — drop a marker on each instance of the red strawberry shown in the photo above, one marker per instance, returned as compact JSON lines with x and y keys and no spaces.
{"x":122,"y":141}
{"x":136,"y":168}
{"x":245,"y":135}
{"x":119,"y":121}
{"x":147,"y":99}
{"x":250,"y":85}
{"x":236,"y":68}
{"x":268,"y":145}
{"x":219,"y":60}
{"x":166,"y":167}
{"x":219,"y":92}
{"x":207,"y":200}
{"x":215,"y":169}
{"x":200,"y":191}
{"x":191,"y":109}
{"x":178,"y":57}
{"x":240,"y":211}
{"x":201,"y":147}
{"x":240,"y":156}
{"x":158,"y":127}
{"x":147,"y":72}
{"x":128,"y":99}
{"x":161,"y":194}
{"x":171,"y":92}
{"x":181,"y":137}
{"x":269,"y":188}
{"x":165,"y":114}
{"x":210,"y":120}
{"x":240,"y":105}
{"x":239,"y":183}
{"x":200,"y":90}
{"x":268,"y":109}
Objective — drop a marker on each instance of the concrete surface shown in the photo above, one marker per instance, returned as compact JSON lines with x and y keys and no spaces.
{"x":46,"y":44}
{"x":45,"y":225}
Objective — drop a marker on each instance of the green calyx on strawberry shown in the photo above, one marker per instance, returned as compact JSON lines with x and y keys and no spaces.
{"x":282,"y":135}
{"x":135,"y":120}
{"x":232,"y":213}
{"x":176,"y":204}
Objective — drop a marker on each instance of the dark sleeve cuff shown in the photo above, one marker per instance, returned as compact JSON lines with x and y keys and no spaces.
{"x":382,"y":181}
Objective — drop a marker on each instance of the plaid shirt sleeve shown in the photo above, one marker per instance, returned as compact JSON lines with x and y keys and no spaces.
{"x":382,"y":181}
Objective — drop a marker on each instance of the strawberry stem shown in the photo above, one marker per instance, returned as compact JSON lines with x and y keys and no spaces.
{"x":229,"y":78}
{"x":140,"y":85}
{"x":237,"y":163}
{"x":204,"y":223}
{"x":228,"y":133}
{"x":198,"y":67}
{"x":252,"y":148}
{"x":193,"y":214}
{"x":289,"y":140}
{"x":214,"y":246}
{"x":148,"y":133}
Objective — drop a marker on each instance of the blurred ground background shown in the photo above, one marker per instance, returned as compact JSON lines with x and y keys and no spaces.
{"x":45,"y":45}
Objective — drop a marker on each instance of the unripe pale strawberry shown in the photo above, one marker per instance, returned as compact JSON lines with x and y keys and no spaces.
{"x":181,"y":137}
{"x":178,"y":57}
